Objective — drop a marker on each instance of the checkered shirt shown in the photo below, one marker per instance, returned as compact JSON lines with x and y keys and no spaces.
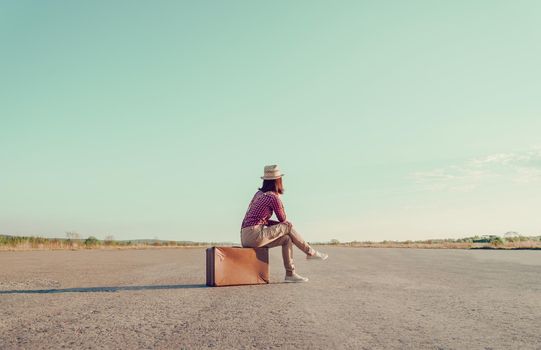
{"x":260,"y":210}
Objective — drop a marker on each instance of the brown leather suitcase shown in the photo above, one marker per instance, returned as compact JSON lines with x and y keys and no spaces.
{"x":233,"y":266}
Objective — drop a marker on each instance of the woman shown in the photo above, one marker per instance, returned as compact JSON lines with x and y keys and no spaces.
{"x":258,"y":231}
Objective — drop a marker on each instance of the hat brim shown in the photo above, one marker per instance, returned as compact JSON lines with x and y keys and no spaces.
{"x":271,"y":178}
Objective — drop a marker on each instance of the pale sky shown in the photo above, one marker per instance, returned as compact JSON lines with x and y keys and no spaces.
{"x":391,"y":119}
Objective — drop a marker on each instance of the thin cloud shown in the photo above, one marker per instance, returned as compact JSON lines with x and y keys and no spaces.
{"x":521,"y":168}
{"x":528,"y":159}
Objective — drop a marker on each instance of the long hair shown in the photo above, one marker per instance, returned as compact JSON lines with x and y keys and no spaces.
{"x":273,"y":185}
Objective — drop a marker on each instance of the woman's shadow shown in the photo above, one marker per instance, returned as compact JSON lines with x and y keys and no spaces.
{"x":102,"y":289}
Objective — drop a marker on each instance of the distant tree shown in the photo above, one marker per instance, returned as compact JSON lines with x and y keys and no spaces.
{"x":91,"y":241}
{"x":334,"y":241}
{"x":512,"y":234}
{"x":109,"y":240}
{"x":497,"y":241}
{"x":73,"y":235}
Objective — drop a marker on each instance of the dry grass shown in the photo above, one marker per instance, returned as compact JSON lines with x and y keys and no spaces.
{"x":16,"y":243}
{"x":27,"y":247}
{"x":446,"y":245}
{"x":19,"y":243}
{"x":509,"y":241}
{"x":407,"y":245}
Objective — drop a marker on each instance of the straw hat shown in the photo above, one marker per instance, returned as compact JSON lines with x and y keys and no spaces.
{"x":272,"y":172}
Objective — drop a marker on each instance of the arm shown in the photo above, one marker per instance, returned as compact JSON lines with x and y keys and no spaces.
{"x":278,"y":208}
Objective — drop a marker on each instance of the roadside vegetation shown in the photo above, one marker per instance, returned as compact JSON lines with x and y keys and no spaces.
{"x":510,"y":240}
{"x":74,"y":241}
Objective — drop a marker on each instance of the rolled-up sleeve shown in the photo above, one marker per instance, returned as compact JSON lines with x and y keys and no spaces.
{"x":278,"y":208}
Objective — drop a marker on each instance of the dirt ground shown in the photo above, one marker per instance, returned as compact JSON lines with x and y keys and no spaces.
{"x":357,"y":299}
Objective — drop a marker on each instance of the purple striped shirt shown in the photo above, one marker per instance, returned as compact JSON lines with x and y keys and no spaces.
{"x":261,"y":208}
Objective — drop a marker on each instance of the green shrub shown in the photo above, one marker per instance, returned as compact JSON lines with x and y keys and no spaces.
{"x":92,"y":241}
{"x":497,"y":241}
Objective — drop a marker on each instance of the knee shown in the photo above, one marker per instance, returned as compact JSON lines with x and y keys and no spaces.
{"x":286,"y":240}
{"x":287,"y":226}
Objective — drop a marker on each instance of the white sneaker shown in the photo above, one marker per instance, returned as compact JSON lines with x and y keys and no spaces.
{"x":318,"y":256}
{"x":295,"y":278}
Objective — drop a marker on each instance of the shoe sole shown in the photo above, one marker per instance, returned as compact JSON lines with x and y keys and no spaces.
{"x":325,"y":258}
{"x":286,"y":281}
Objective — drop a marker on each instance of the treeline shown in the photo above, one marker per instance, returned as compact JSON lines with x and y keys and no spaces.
{"x":74,"y":241}
{"x":492,"y":240}
{"x":32,"y":242}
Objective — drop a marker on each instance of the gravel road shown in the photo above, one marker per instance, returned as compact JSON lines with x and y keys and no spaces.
{"x":358,"y":299}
